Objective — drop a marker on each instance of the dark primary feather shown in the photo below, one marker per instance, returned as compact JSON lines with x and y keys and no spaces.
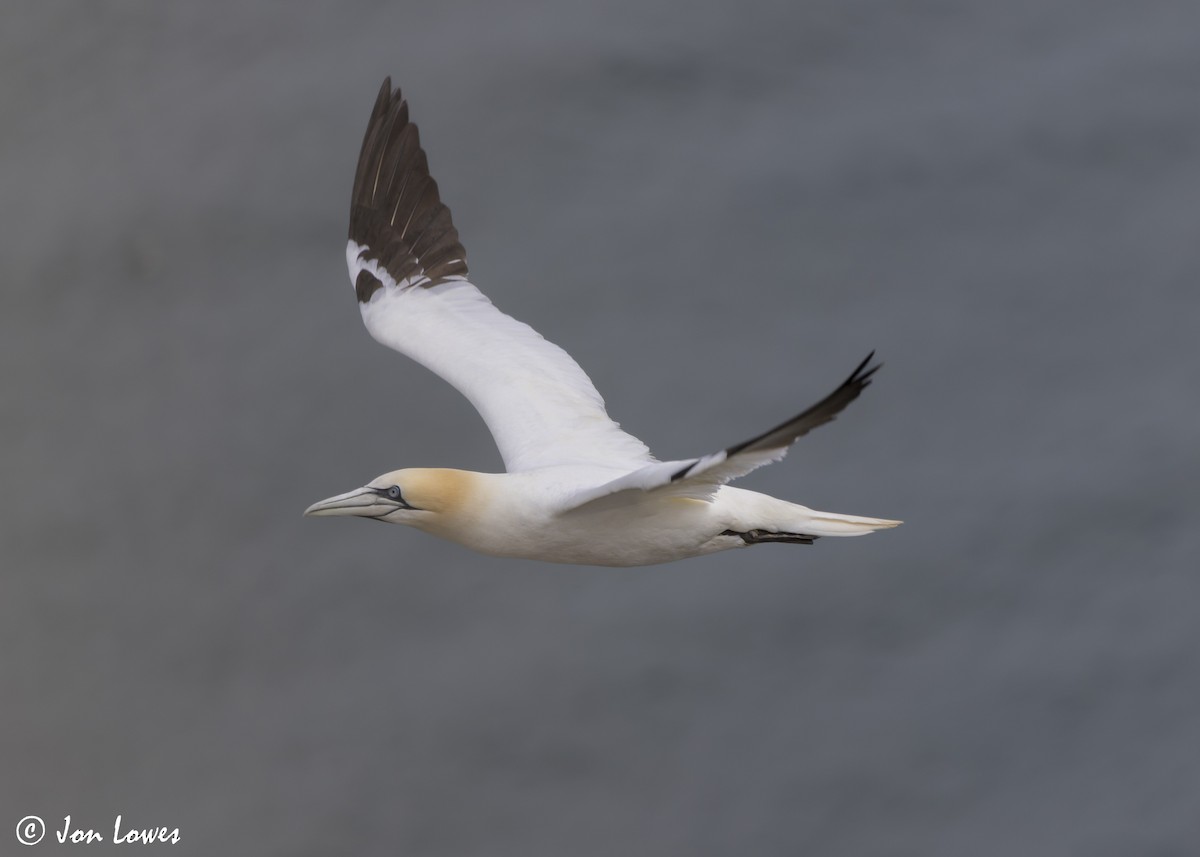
{"x":822,"y":412}
{"x":395,"y":210}
{"x":787,"y":433}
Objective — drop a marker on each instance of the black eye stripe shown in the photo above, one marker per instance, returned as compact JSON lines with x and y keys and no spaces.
{"x":394,"y":494}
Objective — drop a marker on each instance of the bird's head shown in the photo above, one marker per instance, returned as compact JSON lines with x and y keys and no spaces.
{"x":419,"y":497}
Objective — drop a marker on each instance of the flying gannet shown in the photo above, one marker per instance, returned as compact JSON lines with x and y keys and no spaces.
{"x":577,"y":488}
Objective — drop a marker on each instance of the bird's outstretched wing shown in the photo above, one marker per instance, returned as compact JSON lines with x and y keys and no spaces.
{"x":409,"y":272}
{"x":699,"y":478}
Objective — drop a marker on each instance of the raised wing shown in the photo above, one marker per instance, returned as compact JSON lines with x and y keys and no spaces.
{"x":699,"y":478}
{"x":409,"y":272}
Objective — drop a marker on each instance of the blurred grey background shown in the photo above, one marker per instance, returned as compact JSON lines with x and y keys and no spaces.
{"x":718,"y":208}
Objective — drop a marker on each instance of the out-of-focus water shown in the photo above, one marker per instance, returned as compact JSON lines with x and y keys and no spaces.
{"x":718,"y":209}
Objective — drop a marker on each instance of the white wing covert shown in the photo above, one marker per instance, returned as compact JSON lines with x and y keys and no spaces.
{"x":409,"y":272}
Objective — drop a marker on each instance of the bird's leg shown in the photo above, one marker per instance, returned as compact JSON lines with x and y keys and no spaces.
{"x":754,"y":537}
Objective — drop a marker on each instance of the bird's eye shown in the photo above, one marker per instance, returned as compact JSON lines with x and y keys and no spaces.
{"x":394,"y":492}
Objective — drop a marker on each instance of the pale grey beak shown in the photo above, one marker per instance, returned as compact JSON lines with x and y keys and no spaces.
{"x":363,"y":502}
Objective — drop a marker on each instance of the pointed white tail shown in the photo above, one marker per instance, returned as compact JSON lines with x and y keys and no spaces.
{"x":832,"y":524}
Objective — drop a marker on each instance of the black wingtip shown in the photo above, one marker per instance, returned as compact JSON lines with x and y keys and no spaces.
{"x":383,"y":99}
{"x":822,"y":412}
{"x":859,"y":372}
{"x":396,"y":212}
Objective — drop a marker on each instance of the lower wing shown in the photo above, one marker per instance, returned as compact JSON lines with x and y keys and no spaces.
{"x":699,"y":478}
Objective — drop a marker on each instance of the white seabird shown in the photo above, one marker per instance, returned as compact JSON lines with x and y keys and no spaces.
{"x":577,"y":488}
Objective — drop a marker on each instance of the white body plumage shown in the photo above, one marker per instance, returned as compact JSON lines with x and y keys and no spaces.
{"x":578,"y":488}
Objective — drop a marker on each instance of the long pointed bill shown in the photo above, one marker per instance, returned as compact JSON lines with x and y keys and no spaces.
{"x":363,"y":502}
